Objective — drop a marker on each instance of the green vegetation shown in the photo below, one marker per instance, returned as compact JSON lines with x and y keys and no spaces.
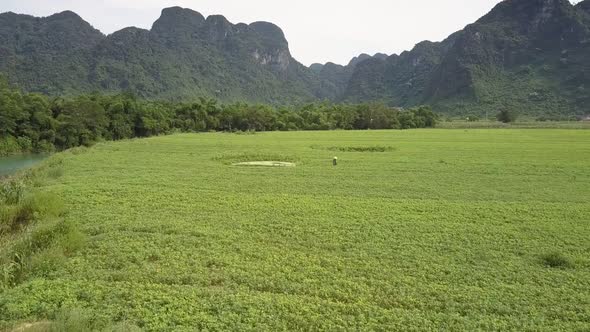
{"x":34,"y":123}
{"x":35,"y":238}
{"x":450,"y":229}
{"x":556,"y":259}
{"x":507,"y":116}
{"x":506,"y":59}
{"x":184,"y":56}
{"x":519,"y":124}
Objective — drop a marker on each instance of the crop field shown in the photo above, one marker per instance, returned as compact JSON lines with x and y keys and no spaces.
{"x":479,"y":229}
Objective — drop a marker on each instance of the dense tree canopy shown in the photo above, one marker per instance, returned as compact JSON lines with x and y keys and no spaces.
{"x":33,"y":122}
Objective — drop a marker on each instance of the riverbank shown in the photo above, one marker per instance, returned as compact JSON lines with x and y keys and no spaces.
{"x":35,"y":238}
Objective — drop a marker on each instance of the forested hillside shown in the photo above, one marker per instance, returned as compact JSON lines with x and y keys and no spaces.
{"x":184,"y":56}
{"x":532,"y":56}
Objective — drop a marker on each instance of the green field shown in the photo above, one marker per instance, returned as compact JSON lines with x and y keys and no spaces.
{"x":413,"y":230}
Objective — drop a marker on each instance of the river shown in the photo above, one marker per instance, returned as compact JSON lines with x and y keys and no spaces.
{"x":11,"y":164}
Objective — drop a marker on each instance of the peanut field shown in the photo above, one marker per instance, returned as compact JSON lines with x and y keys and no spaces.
{"x":478,"y":229}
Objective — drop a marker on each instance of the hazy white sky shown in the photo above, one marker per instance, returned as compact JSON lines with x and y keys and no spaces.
{"x":317,"y":30}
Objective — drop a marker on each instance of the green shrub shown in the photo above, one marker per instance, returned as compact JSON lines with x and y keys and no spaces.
{"x":556,"y":260}
{"x":43,"y":263}
{"x":12,"y":191}
{"x":8,"y":146}
{"x":47,"y":204}
{"x":72,"y":240}
{"x":78,"y":150}
{"x":507,"y":116}
{"x":44,"y":146}
{"x":22,"y":210}
{"x":23,"y":214}
{"x":40,"y":251}
{"x":73,"y":320}
{"x":25,"y":144}
{"x":55,"y":172}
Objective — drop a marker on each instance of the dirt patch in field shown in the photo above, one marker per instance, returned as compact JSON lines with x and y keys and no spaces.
{"x":33,"y":327}
{"x":265,"y":164}
{"x":257,"y":159}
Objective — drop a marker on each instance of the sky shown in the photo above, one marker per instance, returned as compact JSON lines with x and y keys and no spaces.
{"x":317,"y":30}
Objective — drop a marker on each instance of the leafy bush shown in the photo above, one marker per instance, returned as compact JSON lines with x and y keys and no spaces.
{"x":24,"y":210}
{"x":556,"y":259}
{"x":507,"y":116}
{"x":25,"y":144}
{"x":8,"y":146}
{"x":40,"y":251}
{"x":44,"y":146}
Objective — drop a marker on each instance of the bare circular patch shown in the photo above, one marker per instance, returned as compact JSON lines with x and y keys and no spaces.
{"x":266,"y":164}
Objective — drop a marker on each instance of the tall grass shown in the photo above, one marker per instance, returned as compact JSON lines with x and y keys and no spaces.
{"x":34,"y":236}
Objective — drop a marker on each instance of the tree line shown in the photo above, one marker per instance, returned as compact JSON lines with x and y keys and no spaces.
{"x":36,"y":123}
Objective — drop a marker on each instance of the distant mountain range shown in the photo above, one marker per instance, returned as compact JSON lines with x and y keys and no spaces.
{"x":529,"y":55}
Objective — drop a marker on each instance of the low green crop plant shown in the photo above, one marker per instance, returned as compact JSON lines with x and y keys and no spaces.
{"x":434,"y":235}
{"x":355,"y":148}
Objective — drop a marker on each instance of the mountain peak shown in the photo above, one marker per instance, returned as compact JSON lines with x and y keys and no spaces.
{"x":527,"y":11}
{"x":271,"y":32}
{"x":584,"y":5}
{"x":218,"y":27}
{"x":174,"y":18}
{"x":182,"y":13}
{"x":358,"y":59}
{"x":381,"y":56}
{"x":66,"y":14}
{"x":316,"y":67}
{"x":217,"y":19}
{"x":364,"y":56}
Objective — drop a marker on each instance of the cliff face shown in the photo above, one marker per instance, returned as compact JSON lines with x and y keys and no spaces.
{"x":184,"y":55}
{"x":525,"y":54}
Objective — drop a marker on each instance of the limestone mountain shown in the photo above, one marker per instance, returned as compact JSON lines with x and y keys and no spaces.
{"x":184,"y":55}
{"x":50,"y":54}
{"x":584,"y":6}
{"x":333,"y":79}
{"x":530,"y":55}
